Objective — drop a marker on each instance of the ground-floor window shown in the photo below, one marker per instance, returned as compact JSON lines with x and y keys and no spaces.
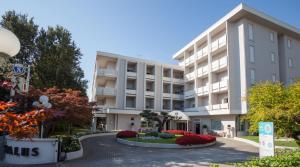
{"x":181,"y":126}
{"x":216,"y":124}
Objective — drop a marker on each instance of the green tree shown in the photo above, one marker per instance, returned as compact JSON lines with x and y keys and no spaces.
{"x":26,"y":30}
{"x":161,"y":118}
{"x":58,"y":63}
{"x":278,"y":104}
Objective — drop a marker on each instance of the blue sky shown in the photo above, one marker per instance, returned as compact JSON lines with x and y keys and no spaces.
{"x":151,"y":29}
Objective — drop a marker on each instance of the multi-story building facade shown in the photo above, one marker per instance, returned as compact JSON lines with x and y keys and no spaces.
{"x":222,"y":63}
{"x":125,"y":86}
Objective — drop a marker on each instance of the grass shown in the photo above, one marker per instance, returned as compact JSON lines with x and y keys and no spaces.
{"x":164,"y":141}
{"x":277,"y":143}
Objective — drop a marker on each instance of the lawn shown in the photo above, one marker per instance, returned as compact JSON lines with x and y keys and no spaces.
{"x":164,"y":141}
{"x":277,"y":143}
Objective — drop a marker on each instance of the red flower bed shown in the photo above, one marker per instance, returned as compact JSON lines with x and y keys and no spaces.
{"x":175,"y":132}
{"x":126,"y":134}
{"x":193,"y":139}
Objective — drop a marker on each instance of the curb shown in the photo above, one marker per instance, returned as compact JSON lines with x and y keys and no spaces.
{"x":159,"y":145}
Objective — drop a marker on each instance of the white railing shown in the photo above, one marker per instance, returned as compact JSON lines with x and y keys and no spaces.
{"x":202,"y":52}
{"x":150,"y":93}
{"x":106,"y":91}
{"x":131,"y":74}
{"x":149,"y":76}
{"x":202,"y":90}
{"x":169,"y":79}
{"x":219,"y":63}
{"x":106,"y":72}
{"x":190,"y":59}
{"x":218,"y":86}
{"x":166,"y":94}
{"x":130,"y":91}
{"x":189,"y":93}
{"x":203,"y":70}
{"x":177,"y":96}
{"x":190,"y":76}
{"x":220,"y":106}
{"x":181,"y":63}
{"x":177,"y":80}
{"x":218,"y":43}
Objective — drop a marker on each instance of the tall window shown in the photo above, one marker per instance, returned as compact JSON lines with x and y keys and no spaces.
{"x":252,"y":59}
{"x":250,"y":31}
{"x":273,"y":57}
{"x":216,"y":125}
{"x":290,"y":62}
{"x":272,"y":36}
{"x":274,"y":77}
{"x":289,"y":43}
{"x":252,"y":76}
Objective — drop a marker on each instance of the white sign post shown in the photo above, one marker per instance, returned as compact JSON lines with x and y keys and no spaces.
{"x":266,"y":139}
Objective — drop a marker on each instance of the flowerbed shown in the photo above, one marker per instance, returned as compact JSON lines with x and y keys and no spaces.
{"x":175,"y":132}
{"x":194,"y":139}
{"x":127,"y":134}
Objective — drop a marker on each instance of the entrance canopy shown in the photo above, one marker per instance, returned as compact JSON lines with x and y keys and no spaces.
{"x":179,"y":115}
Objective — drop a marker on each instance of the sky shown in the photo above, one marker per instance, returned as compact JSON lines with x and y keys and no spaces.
{"x":150,"y":29}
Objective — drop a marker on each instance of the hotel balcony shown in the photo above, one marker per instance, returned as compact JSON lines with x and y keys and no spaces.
{"x":203,"y":108}
{"x":220,"y":86}
{"x":190,"y":76}
{"x":149,"y":76}
{"x":202,"y":53}
{"x":167,"y":75}
{"x":150,"y":72}
{"x":149,"y":103}
{"x":149,"y":93}
{"x":202,"y":90}
{"x":167,"y":95}
{"x":202,"y":71}
{"x":189,"y":93}
{"x":131,"y":91}
{"x":106,"y":72}
{"x":220,"y":106}
{"x":219,"y":64}
{"x":105,"y":91}
{"x":190,"y":60}
{"x":219,"y":43}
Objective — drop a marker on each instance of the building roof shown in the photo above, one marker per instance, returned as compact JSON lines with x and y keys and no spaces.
{"x":239,"y":12}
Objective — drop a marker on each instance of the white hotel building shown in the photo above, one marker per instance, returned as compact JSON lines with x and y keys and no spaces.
{"x":211,"y":81}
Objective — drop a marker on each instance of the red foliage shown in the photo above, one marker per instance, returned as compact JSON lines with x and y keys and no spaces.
{"x":126,"y":134}
{"x":193,"y":139}
{"x":175,"y":132}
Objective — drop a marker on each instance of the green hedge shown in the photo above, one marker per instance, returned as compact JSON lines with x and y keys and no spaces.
{"x":284,"y":160}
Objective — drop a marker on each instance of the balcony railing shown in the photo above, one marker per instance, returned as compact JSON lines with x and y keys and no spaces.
{"x":106,"y":72}
{"x":201,"y":71}
{"x":167,"y":95}
{"x":202,"y":90}
{"x":168,"y":79}
{"x":218,"y":43}
{"x":149,"y":93}
{"x":202,"y":53}
{"x":131,"y":74}
{"x":190,"y":76}
{"x":220,"y":106}
{"x":177,"y":96}
{"x":189,"y":93}
{"x":104,"y":91}
{"x":150,"y":76}
{"x":182,"y":64}
{"x":190,"y":60}
{"x":219,"y":63}
{"x":220,"y":86}
{"x":130,"y":91}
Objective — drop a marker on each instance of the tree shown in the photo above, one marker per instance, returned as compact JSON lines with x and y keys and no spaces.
{"x":58,"y":63}
{"x":26,"y":30}
{"x":278,"y":104}
{"x":161,"y":118}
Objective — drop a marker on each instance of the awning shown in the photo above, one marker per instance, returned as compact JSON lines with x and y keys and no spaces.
{"x":179,"y":115}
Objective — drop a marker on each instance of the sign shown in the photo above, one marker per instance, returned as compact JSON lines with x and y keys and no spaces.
{"x":17,"y":151}
{"x":266,"y":139}
{"x":18,"y":69}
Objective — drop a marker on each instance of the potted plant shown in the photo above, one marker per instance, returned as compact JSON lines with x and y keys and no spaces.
{"x":204,"y":129}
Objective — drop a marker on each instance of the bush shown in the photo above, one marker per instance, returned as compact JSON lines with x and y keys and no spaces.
{"x":175,"y":132}
{"x":193,"y":139}
{"x":126,"y":134}
{"x":166,"y":135}
{"x":154,"y":134}
{"x":70,"y":144}
{"x":285,"y":160}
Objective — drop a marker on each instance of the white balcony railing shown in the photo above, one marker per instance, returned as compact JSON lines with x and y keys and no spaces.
{"x":218,"y":43}
{"x":178,"y":96}
{"x":219,"y":63}
{"x":190,"y":60}
{"x":189,"y":93}
{"x":202,"y":52}
{"x":104,"y":91}
{"x":178,"y":80}
{"x":131,"y":74}
{"x":149,"y":76}
{"x":202,"y":90}
{"x":168,"y":79}
{"x":201,"y":71}
{"x":149,"y":93}
{"x":107,"y":72}
{"x":182,"y":64}
{"x":220,"y":106}
{"x":220,"y":86}
{"x":190,"y":76}
{"x":167,"y":95}
{"x":130,"y":91}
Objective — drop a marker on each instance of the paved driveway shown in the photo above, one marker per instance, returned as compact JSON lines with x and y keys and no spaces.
{"x":104,"y":151}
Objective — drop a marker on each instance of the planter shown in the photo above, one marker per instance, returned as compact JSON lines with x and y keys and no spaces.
{"x":34,"y":151}
{"x":75,"y":154}
{"x":161,"y":145}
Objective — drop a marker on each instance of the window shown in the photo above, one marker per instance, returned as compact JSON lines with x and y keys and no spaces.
{"x":273,"y":57}
{"x":216,"y":125}
{"x":272,"y":36}
{"x":252,"y":59}
{"x":290,"y":62}
{"x":289,"y":43}
{"x":252,"y":76}
{"x":250,"y":31}
{"x":274,"y":77}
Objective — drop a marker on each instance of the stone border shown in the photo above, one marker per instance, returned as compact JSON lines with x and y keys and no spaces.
{"x":159,"y":145}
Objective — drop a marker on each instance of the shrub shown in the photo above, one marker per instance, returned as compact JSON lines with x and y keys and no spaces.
{"x":154,"y":134}
{"x":175,"y":132}
{"x":126,"y":134}
{"x":284,"y":160}
{"x":166,"y":135}
{"x":70,"y":144}
{"x":193,"y":139}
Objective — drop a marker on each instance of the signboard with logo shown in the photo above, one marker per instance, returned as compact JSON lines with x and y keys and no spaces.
{"x":266,"y":139}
